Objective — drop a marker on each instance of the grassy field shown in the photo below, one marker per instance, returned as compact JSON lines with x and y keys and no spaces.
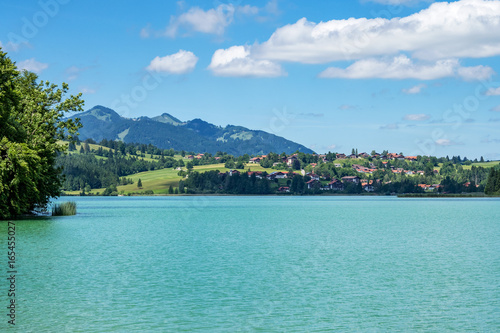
{"x":159,"y":181}
{"x":483,"y":164}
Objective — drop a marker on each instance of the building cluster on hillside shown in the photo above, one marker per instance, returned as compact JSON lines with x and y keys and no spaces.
{"x":336,"y":184}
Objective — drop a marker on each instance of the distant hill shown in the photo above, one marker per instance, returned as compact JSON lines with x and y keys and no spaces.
{"x":167,"y":131}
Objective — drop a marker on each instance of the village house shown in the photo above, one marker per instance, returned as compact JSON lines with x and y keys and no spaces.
{"x":254,"y":160}
{"x":336,"y":185}
{"x":338,"y":165}
{"x":284,"y":189}
{"x":351,"y":179}
{"x":291,"y":159}
{"x":258,"y":174}
{"x":341,"y":156}
{"x":313,"y":176}
{"x":233,"y":172}
{"x":276,"y":175}
{"x":313,"y":183}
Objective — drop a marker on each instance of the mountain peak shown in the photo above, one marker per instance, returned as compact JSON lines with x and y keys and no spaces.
{"x":102,"y":113}
{"x":166,"y":131}
{"x":168,"y":119}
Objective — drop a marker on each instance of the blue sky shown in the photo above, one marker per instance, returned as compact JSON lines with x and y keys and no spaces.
{"x":418,"y":77}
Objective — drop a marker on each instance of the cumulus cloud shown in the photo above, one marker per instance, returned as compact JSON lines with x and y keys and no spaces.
{"x":32,"y":65}
{"x":212,"y":21}
{"x":415,"y":89}
{"x":402,"y":67}
{"x":417,"y":117}
{"x":493,"y":92}
{"x":236,"y":61}
{"x":13,"y":47}
{"x":178,"y":63}
{"x":467,"y":28}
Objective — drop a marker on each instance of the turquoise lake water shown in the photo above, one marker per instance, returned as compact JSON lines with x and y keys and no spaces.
{"x":264,"y":264}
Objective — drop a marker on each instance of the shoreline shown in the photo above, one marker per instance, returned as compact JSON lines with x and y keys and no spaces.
{"x":406,"y":195}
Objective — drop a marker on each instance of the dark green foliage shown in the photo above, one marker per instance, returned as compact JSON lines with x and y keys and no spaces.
{"x":139,"y":183}
{"x":31,"y":123}
{"x":82,"y":169}
{"x":215,"y":182}
{"x":493,"y":183}
{"x":111,"y":190}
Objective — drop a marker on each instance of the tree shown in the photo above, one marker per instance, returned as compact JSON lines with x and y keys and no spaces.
{"x":229,"y":164}
{"x":139,"y":183}
{"x":181,"y":186}
{"x":493,"y":182}
{"x":31,"y":123}
{"x":171,"y":190}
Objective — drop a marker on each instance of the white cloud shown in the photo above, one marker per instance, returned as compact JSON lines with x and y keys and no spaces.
{"x":443,"y":142}
{"x":475,"y":73}
{"x":32,"y":65}
{"x":415,"y":89}
{"x":212,"y":21}
{"x":460,"y":29}
{"x":236,"y":61}
{"x":417,"y":117}
{"x":13,"y":47}
{"x":247,"y":10}
{"x":496,"y":108}
{"x":446,"y":142}
{"x":177,"y":63}
{"x":493,"y":92}
{"x":402,"y":67}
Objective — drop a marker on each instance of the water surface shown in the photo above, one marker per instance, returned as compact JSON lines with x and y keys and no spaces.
{"x":269,"y":264}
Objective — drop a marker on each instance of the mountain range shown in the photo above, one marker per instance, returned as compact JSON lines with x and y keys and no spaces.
{"x":166,"y":131}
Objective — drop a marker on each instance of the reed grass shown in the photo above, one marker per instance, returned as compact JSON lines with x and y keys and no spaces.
{"x":64,"y":209}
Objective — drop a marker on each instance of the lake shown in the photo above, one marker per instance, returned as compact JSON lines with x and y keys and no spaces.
{"x":268,"y":264}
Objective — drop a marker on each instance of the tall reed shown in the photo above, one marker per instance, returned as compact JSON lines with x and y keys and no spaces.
{"x":64,"y":209}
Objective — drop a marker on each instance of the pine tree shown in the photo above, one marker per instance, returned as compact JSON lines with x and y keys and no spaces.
{"x":170,"y":190}
{"x":139,"y":183}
